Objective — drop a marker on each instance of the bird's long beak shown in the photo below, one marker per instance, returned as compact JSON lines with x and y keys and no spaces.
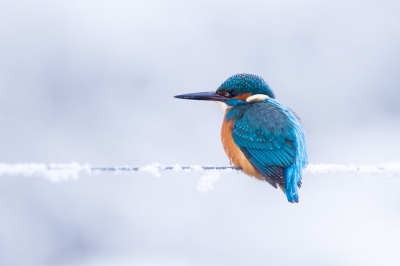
{"x":202,"y":96}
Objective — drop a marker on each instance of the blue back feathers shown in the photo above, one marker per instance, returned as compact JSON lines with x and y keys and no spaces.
{"x":246,"y":83}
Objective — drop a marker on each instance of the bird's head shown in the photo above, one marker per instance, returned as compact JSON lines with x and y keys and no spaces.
{"x":236,"y":90}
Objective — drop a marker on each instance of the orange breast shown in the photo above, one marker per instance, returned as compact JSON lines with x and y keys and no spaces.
{"x":235,"y":155}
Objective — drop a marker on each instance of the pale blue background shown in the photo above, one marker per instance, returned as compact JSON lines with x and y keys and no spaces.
{"x":92,"y":81}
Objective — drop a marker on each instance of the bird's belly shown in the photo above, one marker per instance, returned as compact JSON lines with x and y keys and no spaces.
{"x":235,"y":155}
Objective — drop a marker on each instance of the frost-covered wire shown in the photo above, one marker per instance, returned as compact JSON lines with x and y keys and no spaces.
{"x":72,"y":171}
{"x":63,"y":172}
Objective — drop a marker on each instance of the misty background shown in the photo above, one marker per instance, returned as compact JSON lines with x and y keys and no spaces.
{"x":93,"y":82}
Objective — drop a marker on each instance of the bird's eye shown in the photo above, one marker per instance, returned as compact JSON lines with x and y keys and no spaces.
{"x":233,"y":93}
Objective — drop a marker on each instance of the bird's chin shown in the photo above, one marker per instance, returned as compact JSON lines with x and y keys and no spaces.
{"x":223,"y":105}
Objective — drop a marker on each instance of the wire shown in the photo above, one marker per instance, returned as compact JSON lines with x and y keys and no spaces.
{"x":211,"y":174}
{"x":63,"y":172}
{"x":161,"y":168}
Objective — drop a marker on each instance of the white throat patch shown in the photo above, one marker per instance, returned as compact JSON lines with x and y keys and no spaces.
{"x":223,"y":106}
{"x":257,"y":98}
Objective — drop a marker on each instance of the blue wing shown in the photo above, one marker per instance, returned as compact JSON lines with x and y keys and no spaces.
{"x":265,"y":133}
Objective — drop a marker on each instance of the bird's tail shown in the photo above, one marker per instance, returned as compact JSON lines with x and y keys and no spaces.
{"x":291,"y":194}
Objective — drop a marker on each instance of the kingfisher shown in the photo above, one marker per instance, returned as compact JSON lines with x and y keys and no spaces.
{"x":260,"y":136}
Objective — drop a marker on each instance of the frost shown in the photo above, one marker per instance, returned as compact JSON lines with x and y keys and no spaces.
{"x":152,"y":169}
{"x":207,"y":181}
{"x":72,"y":171}
{"x":53,"y":172}
{"x":196,"y":168}
{"x":384,"y":169}
{"x":176,"y":168}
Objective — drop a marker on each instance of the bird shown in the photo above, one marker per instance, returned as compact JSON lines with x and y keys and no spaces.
{"x":260,"y":136}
